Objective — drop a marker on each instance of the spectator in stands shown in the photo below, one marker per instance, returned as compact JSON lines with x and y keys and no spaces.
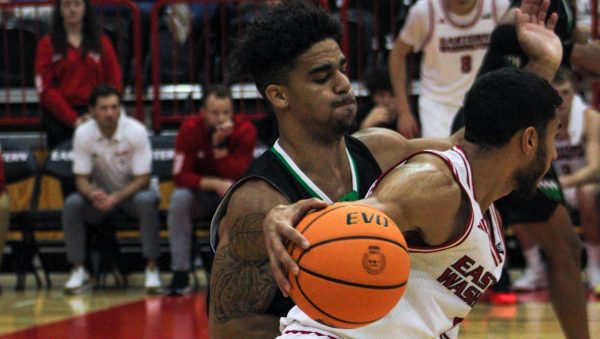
{"x":4,"y":211}
{"x":578,"y":147}
{"x":70,"y":62}
{"x":383,"y":112}
{"x":453,"y":36}
{"x":112,"y":162}
{"x":213,"y":149}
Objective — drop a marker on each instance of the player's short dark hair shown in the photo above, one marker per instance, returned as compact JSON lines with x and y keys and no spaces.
{"x":276,"y":37}
{"x":102,"y":91}
{"x":219,"y":91}
{"x":505,"y":101}
{"x":563,"y":75}
{"x":378,"y":79}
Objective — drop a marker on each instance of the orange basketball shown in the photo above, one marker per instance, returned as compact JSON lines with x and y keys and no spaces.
{"x":355,"y":269}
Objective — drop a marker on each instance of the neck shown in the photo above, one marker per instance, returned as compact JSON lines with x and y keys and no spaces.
{"x":74,"y":29}
{"x":108,"y":133}
{"x":321,"y":156}
{"x":491,"y":181}
{"x":307,"y":151}
{"x":461,"y":7}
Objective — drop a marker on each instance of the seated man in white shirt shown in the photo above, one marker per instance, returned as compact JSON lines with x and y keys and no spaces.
{"x":112,"y":166}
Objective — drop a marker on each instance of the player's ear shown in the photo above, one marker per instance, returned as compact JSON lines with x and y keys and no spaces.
{"x":277,"y":96}
{"x":529,"y":140}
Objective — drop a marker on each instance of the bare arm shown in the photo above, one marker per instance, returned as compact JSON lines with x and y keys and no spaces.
{"x":408,"y":194}
{"x":138,"y":183}
{"x":84,"y":186}
{"x":591,"y":171}
{"x":585,"y":56}
{"x":537,"y":39}
{"x":562,"y":248}
{"x":241,"y":284}
{"x":389,"y":147}
{"x":407,"y":125}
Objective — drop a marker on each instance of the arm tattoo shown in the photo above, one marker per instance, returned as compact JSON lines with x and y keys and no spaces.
{"x":241,"y":279}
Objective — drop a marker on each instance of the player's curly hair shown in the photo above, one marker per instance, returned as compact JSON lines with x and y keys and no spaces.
{"x":505,"y":101}
{"x":276,"y":37}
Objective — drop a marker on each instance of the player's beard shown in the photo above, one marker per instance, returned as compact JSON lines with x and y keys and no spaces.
{"x":345,"y":126}
{"x":528,"y":178}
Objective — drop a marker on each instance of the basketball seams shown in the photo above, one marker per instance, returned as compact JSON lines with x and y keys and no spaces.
{"x":351,"y":237}
{"x":327,"y":313}
{"x":350,"y":283}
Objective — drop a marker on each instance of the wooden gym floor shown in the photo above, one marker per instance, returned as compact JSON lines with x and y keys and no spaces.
{"x":115,"y":313}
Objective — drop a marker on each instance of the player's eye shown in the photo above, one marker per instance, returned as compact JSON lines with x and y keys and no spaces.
{"x":322,"y":79}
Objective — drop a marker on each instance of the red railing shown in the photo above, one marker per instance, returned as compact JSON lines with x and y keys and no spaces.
{"x":138,"y":91}
{"x":18,"y":98}
{"x":17,"y":95}
{"x":175,"y":94}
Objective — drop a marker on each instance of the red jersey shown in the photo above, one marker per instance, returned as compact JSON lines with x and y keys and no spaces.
{"x":194,"y":157}
{"x":66,"y":81}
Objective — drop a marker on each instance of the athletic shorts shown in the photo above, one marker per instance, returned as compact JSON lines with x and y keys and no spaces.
{"x":436,"y":118}
{"x":539,"y":208}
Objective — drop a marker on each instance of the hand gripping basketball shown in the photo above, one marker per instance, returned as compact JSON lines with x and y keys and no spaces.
{"x":356,"y":268}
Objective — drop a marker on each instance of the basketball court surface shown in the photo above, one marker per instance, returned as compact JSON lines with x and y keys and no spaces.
{"x":128,"y":313}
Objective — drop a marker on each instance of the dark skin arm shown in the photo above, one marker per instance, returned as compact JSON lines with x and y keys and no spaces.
{"x":241,"y":284}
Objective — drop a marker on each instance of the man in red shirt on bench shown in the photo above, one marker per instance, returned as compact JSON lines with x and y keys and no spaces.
{"x":213,"y":149}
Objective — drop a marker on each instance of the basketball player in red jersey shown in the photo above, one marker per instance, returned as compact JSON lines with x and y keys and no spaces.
{"x":443,"y":203}
{"x":281,"y":222}
{"x":313,"y":102}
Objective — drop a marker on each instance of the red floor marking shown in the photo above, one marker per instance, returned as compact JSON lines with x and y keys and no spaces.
{"x":159,"y":317}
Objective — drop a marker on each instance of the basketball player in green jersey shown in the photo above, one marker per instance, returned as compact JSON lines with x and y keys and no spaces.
{"x":297,"y":64}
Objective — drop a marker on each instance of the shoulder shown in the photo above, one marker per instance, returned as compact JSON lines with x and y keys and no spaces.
{"x":242,"y":124}
{"x":84,"y":132}
{"x":421,"y":194}
{"x":429,"y":176}
{"x":250,"y":202}
{"x":134,"y":130}
{"x":134,"y":125}
{"x":105,"y":40}
{"x":423,"y":184}
{"x":45,"y":41}
{"x":257,"y":196}
{"x":191,"y":123}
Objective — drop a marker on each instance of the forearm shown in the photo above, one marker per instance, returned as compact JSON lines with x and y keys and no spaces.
{"x":138,"y":183}
{"x":585,"y":56}
{"x":582,"y":176}
{"x":209,"y":183}
{"x":242,"y":286}
{"x":397,"y":69}
{"x":84,"y":186}
{"x":53,"y":101}
{"x":542,"y":67}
